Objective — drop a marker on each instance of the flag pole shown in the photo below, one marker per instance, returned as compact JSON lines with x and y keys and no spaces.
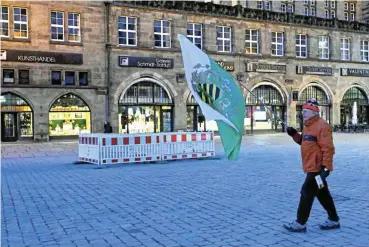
{"x":262,"y":102}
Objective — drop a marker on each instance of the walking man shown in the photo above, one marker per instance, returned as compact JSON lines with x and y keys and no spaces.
{"x":317,"y":150}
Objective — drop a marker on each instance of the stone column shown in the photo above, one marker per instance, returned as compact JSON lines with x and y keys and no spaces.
{"x":291,"y":114}
{"x":180,"y":115}
{"x":40,"y":123}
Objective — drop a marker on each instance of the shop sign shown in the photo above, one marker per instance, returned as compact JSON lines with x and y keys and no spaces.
{"x":265,"y":67}
{"x":229,"y":66}
{"x":355,"y":72}
{"x":145,"y":62}
{"x":311,"y":70}
{"x":41,"y":57}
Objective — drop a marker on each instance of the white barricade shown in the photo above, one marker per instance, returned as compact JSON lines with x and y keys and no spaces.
{"x":103,"y":149}
{"x":130,"y":148}
{"x":89,"y":148}
{"x":187,"y":145}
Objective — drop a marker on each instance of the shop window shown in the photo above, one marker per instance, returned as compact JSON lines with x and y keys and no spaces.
{"x":83,"y":78}
{"x":23,"y":76}
{"x":145,"y":107}
{"x":13,"y":106}
{"x":69,"y":116}
{"x":69,"y":78}
{"x":8,"y":76}
{"x":56,"y":78}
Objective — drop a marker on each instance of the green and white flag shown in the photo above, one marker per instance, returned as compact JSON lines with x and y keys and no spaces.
{"x":217,"y":94}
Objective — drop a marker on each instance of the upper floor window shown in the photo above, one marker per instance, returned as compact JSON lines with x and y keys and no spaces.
{"x":4,"y":21}
{"x":224,"y":39}
{"x":277,"y":44}
{"x":194,"y":34}
{"x":345,"y":49}
{"x":260,"y":5}
{"x":20,"y":24}
{"x":268,"y":5}
{"x":364,"y":50}
{"x":352,"y":7}
{"x":252,"y":41}
{"x":301,"y":45}
{"x":352,"y":15}
{"x":323,"y":47}
{"x":57,"y":26}
{"x":306,"y":11}
{"x":312,"y":11}
{"x":283,"y":8}
{"x":333,"y":4}
{"x":162,"y":34}
{"x":127,"y":30}
{"x":346,"y":6}
{"x":74,"y":33}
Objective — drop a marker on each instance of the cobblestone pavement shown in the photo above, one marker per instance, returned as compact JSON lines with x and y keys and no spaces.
{"x":49,"y":201}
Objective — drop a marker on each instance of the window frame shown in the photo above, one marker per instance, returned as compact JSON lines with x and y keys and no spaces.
{"x":74,"y":27}
{"x":363,"y":52}
{"x":193,"y":37}
{"x":299,"y":46}
{"x":223,"y":40}
{"x":57,"y":26}
{"x":61,"y":77}
{"x":19,"y":78}
{"x":248,"y":43}
{"x":20,"y":23}
{"x":163,"y":34}
{"x":277,"y":44}
{"x":321,"y":52}
{"x":127,"y":31}
{"x":87,"y":78}
{"x":344,"y":49}
{"x":3,"y":77}
{"x":5,"y":21}
{"x":283,"y":8}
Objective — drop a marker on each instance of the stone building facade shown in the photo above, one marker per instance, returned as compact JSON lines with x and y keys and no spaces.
{"x":53,"y":68}
{"x":287,"y":77}
{"x":135,"y":71}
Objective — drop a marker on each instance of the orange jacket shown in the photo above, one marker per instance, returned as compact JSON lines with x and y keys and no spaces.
{"x":317,"y":146}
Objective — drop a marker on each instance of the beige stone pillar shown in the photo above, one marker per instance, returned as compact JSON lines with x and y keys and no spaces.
{"x":40,"y":124}
{"x":180,"y":116}
{"x":291,"y":114}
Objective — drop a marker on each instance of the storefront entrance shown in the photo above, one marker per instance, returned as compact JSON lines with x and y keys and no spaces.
{"x":145,"y":108}
{"x":258,"y":118}
{"x":196,"y":120}
{"x":313,"y":92}
{"x":16,"y":118}
{"x":354,"y":107}
{"x":69,"y":116}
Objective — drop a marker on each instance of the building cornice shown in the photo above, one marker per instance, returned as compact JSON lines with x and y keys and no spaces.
{"x":239,"y":12}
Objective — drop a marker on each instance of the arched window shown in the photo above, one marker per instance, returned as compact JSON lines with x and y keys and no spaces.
{"x":313,"y":92}
{"x":355,"y":94}
{"x":69,"y":115}
{"x":145,"y":107}
{"x":146,"y":92}
{"x":16,"y":117}
{"x":191,"y":100}
{"x":13,"y":103}
{"x":69,"y":102}
{"x":267,"y":94}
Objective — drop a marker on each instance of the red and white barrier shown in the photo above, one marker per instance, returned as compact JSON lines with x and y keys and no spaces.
{"x":89,"y":148}
{"x":187,"y":145}
{"x":130,"y":148}
{"x":103,"y":149}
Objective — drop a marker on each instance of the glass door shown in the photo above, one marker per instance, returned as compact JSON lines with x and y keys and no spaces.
{"x":9,"y":127}
{"x":166,"y":120}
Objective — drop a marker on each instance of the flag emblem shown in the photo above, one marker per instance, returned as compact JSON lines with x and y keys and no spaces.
{"x":208,"y":92}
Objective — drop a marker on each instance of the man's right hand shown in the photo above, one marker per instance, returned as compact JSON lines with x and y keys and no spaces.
{"x":291,"y":131}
